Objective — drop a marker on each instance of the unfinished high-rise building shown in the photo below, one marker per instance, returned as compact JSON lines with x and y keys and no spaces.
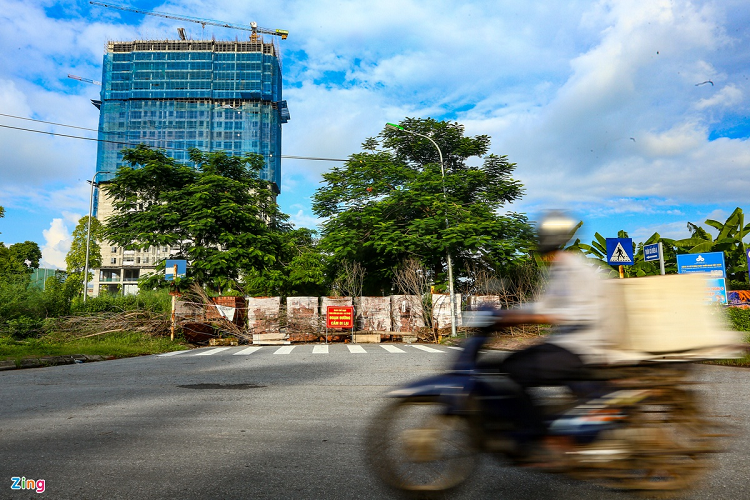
{"x":180,"y":94}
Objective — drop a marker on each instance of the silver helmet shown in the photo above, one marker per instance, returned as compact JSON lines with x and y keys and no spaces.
{"x":554,"y":230}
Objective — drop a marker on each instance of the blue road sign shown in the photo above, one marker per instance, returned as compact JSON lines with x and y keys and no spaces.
{"x":651,"y":252}
{"x":169,"y":269}
{"x":620,"y":251}
{"x":709,"y":263}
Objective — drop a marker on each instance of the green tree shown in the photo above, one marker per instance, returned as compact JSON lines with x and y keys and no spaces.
{"x":386,"y":205}
{"x":221,"y":214}
{"x":728,"y":240}
{"x":76,"y":256}
{"x":26,"y":251}
{"x":302,"y":268}
{"x":11,"y":268}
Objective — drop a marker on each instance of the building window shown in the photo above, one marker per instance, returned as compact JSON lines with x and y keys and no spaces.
{"x":113,"y":260}
{"x":114,"y":249}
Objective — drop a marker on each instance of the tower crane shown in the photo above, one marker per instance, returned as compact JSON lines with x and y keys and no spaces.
{"x":86,"y":80}
{"x":203,"y":22}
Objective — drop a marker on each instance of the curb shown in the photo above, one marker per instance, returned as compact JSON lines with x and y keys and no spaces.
{"x":51,"y":361}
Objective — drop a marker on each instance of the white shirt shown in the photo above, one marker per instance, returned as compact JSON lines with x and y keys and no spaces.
{"x":576,"y":298}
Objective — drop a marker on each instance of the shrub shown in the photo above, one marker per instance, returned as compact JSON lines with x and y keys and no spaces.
{"x":738,"y":285}
{"x":740,"y":318}
{"x":157,"y":301}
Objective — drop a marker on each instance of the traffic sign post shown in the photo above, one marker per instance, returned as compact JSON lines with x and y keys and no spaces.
{"x":620,"y":252}
{"x":654,"y":252}
{"x":339,"y":317}
{"x":174,"y":268}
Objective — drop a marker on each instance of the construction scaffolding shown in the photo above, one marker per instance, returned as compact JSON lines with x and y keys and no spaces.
{"x":181,"y":94}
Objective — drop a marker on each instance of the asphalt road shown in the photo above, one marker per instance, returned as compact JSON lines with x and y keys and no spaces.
{"x":169,"y":427}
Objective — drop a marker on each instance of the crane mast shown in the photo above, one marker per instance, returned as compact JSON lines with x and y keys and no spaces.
{"x":203,"y":22}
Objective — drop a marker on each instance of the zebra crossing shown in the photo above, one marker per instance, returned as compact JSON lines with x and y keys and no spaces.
{"x":314,"y":349}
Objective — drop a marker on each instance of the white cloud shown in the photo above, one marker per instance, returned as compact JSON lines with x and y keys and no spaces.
{"x":301,"y":219}
{"x":562,"y":87}
{"x":727,"y":96}
{"x":57,"y":239}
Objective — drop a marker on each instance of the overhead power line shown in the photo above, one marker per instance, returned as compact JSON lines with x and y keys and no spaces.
{"x":125,"y":143}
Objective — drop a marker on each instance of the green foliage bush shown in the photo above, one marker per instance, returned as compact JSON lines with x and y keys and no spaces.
{"x":157,"y":301}
{"x":738,"y":285}
{"x":740,"y":318}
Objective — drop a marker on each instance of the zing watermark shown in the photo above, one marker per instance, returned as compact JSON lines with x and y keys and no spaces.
{"x":21,"y":483}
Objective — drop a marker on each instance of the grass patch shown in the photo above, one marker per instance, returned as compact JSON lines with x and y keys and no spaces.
{"x":116,"y":344}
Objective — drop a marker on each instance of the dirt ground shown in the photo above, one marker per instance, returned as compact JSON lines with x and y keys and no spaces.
{"x":507,"y":342}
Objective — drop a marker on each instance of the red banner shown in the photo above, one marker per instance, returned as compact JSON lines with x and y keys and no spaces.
{"x":339,"y":317}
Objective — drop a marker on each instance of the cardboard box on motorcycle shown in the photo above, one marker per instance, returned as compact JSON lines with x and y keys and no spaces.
{"x":668,"y":317}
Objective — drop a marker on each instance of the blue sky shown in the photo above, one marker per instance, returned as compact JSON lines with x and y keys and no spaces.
{"x":601,"y":105}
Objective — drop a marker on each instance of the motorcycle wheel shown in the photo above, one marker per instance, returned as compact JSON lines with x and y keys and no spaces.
{"x":415,"y":447}
{"x":672,"y":445}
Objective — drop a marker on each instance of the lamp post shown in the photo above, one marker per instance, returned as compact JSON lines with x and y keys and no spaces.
{"x":88,"y":234}
{"x":445,"y":199}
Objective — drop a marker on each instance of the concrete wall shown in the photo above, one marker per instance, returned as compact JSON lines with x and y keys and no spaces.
{"x":302,"y":314}
{"x":263,"y":314}
{"x":406,"y":313}
{"x":373,"y":314}
{"x":474,"y":302}
{"x":441,"y":310}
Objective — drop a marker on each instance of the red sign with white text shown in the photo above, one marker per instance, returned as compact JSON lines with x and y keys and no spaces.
{"x":339,"y":317}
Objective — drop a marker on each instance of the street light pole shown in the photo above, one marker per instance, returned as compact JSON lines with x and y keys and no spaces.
{"x":445,"y":199}
{"x":88,"y":235}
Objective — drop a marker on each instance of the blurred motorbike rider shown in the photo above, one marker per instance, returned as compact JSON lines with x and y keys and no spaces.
{"x":574,"y":302}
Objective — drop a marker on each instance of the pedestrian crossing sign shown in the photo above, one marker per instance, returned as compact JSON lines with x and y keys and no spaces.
{"x":620,"y":251}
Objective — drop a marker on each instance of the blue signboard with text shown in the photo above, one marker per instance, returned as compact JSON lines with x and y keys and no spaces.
{"x":709,"y":263}
{"x":620,"y":251}
{"x":651,"y":252}
{"x":716,"y":290}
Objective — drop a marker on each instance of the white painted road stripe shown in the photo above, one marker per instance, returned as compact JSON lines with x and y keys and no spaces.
{"x":249,"y":350}
{"x":454,"y":347}
{"x":173,"y":353}
{"x":284,"y":350}
{"x":356,"y":349}
{"x":391,"y":348}
{"x":212,"y":351}
{"x":320,"y":349}
{"x":428,"y":349}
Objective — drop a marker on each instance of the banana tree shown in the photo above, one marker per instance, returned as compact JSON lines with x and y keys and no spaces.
{"x":728,"y":240}
{"x":597,"y":252}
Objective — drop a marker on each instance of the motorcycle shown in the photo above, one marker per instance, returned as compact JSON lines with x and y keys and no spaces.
{"x":639,"y":428}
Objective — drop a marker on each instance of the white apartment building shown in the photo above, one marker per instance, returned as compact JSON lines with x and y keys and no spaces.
{"x":122,"y":268}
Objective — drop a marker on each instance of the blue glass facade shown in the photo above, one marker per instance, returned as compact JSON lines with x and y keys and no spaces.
{"x":176,"y":95}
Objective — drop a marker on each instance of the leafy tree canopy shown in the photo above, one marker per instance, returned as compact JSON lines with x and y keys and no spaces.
{"x":75,"y":259}
{"x":387,"y":204}
{"x":11,"y":269}
{"x":221,"y":214}
{"x":28,"y":251}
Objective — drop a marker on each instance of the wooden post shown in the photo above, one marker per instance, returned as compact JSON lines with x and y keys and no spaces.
{"x":174,"y":304}
{"x":622,"y":272}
